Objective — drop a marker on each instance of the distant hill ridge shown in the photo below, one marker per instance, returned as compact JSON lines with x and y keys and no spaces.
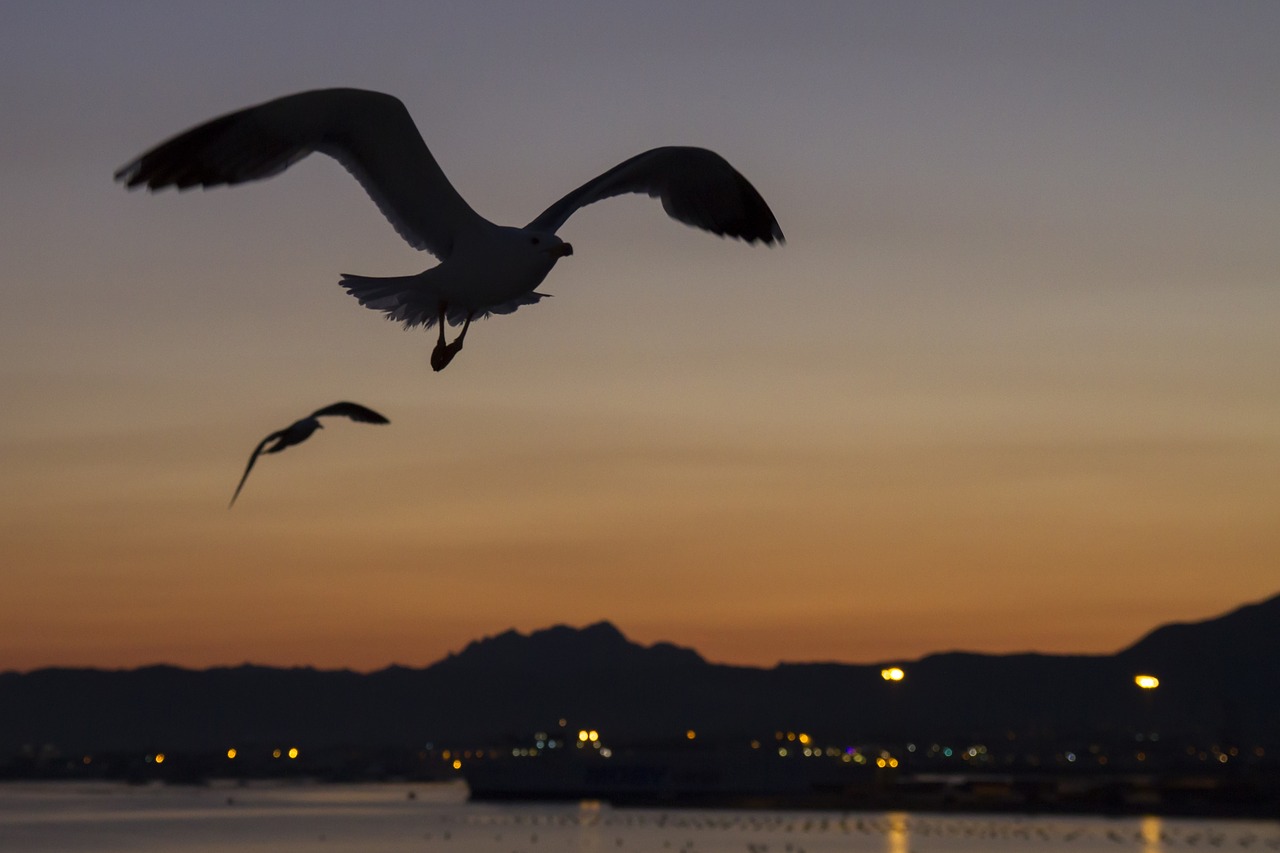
{"x":600,"y":644}
{"x":1220,"y":675}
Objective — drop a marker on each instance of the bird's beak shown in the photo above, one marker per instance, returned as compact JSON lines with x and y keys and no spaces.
{"x":564,"y":250}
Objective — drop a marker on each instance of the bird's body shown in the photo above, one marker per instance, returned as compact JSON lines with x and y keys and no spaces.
{"x":484,"y":268}
{"x":302,"y":429}
{"x":490,"y":275}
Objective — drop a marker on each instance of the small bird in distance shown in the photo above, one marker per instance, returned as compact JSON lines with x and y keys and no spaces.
{"x":484,"y":268}
{"x":300,"y":430}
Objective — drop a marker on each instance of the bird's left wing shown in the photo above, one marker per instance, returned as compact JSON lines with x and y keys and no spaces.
{"x":355,"y":411}
{"x":257,"y":451}
{"x":697,"y":187}
{"x":370,"y":133}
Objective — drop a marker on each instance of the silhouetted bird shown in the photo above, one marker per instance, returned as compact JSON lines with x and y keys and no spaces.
{"x":299,"y":431}
{"x":484,"y":268}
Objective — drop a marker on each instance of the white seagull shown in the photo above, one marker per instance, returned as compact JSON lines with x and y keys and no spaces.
{"x":484,"y":268}
{"x":299,"y":431}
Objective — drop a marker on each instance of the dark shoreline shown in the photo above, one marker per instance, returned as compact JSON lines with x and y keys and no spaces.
{"x":1105,"y":799}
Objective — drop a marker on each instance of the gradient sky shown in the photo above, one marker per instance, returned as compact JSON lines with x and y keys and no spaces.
{"x":1012,"y":384}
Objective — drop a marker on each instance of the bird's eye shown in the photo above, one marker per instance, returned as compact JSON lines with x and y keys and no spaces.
{"x":534,"y":240}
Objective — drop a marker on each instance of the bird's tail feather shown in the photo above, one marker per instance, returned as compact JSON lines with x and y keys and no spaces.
{"x":414,"y":301}
{"x":403,"y":298}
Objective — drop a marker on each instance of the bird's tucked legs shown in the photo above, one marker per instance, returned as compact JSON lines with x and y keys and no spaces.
{"x":444,"y":353}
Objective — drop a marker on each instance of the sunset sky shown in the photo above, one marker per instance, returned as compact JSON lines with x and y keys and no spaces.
{"x":1012,"y":384}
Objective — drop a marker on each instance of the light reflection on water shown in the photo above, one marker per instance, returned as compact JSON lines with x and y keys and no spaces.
{"x":896,"y":835}
{"x":1150,"y":829}
{"x":292,"y":818}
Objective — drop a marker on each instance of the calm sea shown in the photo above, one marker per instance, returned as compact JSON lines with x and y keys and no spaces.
{"x":73,"y":817}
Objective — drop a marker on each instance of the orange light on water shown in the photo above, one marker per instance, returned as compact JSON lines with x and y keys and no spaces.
{"x":1146,"y":682}
{"x":893,"y":673}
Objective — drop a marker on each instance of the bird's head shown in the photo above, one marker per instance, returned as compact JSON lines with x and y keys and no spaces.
{"x":531,"y":248}
{"x":546,"y":243}
{"x":518,"y":257}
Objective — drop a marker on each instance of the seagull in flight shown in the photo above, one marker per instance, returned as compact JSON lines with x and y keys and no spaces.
{"x":299,"y":431}
{"x":484,"y":268}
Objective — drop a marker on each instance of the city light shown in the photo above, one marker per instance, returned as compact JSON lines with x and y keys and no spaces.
{"x":293,"y":752}
{"x":159,"y":758}
{"x":893,"y":673}
{"x":231,"y":753}
{"x":1146,"y":682}
{"x":691,"y":734}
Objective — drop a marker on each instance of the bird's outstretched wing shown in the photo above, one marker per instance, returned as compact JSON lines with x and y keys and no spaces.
{"x":355,"y":411}
{"x":697,"y":187}
{"x":369,"y":133}
{"x":257,"y":451}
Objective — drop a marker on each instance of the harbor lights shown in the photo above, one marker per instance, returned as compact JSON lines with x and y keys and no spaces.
{"x":1146,"y":682}
{"x":893,"y":673}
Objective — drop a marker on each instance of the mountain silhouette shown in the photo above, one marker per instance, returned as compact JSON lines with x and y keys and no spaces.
{"x":1219,"y":678}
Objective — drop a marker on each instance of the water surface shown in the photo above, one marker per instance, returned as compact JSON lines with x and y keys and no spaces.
{"x":395,"y":818}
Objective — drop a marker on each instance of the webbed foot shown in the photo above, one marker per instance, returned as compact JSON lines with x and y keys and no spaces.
{"x":443,"y":354}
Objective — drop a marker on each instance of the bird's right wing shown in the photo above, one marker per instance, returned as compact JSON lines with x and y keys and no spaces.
{"x":257,"y":451}
{"x":697,"y":187}
{"x":355,"y":411}
{"x":370,"y":133}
